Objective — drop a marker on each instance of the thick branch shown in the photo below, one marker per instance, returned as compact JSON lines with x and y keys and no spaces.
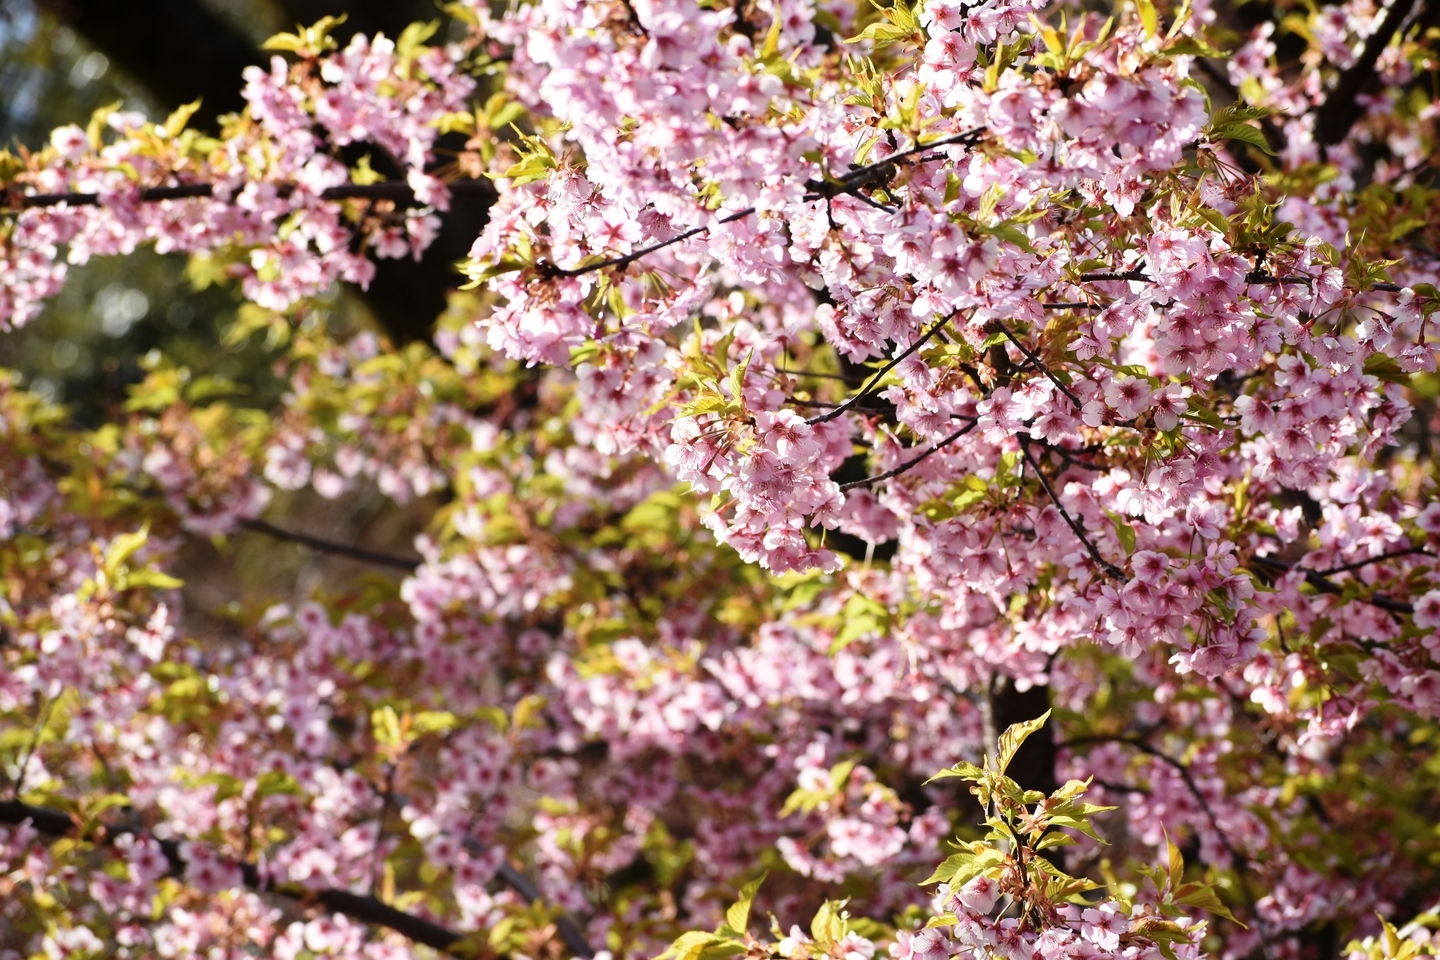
{"x":58,"y":823}
{"x":1318,"y":581}
{"x":397,"y":190}
{"x":329,"y":546}
{"x":1341,"y":108}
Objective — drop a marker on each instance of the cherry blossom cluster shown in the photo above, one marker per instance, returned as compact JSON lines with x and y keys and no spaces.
{"x":263,"y":211}
{"x":813,"y":410}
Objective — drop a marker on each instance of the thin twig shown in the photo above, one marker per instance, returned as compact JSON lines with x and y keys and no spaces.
{"x":850,"y":183}
{"x":1109,"y":568}
{"x":908,"y":464}
{"x":1065,"y":389}
{"x":549,"y":271}
{"x":32,"y":746}
{"x":880,"y":374}
{"x":1382,"y":557}
{"x":1136,"y":274}
{"x":1242,"y":862}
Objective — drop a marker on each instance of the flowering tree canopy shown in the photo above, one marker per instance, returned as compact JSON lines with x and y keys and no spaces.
{"x":854,"y":411}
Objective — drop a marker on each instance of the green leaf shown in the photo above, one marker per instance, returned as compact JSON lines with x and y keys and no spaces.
{"x":1080,"y":823}
{"x":1177,"y":861}
{"x":802,"y":800}
{"x":434,"y":721}
{"x":828,"y":927}
{"x":1123,"y":531}
{"x":180,"y":117}
{"x":771,"y":45}
{"x":1015,"y":735}
{"x":690,"y":945}
{"x":1188,"y":46}
{"x":385,"y":726}
{"x":105,"y":802}
{"x":737,"y":378}
{"x":226,"y":786}
{"x":1384,"y":367}
{"x":866,"y":146}
{"x":1203,"y":896}
{"x":154,"y":579}
{"x":1242,"y":131}
{"x":1148,"y":17}
{"x":962,"y":769}
{"x":738,"y":916}
{"x":706,"y":403}
{"x":309,"y":40}
{"x":275,"y":782}
{"x":412,"y":39}
{"x":122,"y":548}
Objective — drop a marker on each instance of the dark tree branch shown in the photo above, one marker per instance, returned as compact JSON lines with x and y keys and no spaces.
{"x":1318,"y":581}
{"x":329,"y":546}
{"x":1346,"y":568}
{"x":58,"y":823}
{"x":851,"y":183}
{"x":1076,"y":305}
{"x":396,"y":190}
{"x":1335,"y":117}
{"x":1137,"y":274}
{"x":1040,"y":365}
